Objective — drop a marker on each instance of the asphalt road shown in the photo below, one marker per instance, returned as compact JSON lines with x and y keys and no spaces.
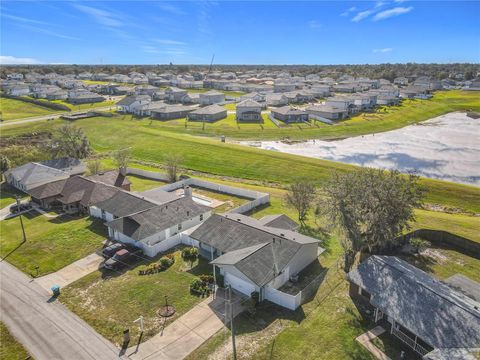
{"x":46,"y":328}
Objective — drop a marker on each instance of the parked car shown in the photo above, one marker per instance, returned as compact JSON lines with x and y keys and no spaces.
{"x":110,"y":250}
{"x":123,"y":257}
{"x":19,"y":207}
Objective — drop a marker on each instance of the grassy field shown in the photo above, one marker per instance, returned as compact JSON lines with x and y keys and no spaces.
{"x":110,"y":303}
{"x":149,"y":142}
{"x":52,"y":243}
{"x":139,"y":183}
{"x":10,"y":348}
{"x":15,"y":109}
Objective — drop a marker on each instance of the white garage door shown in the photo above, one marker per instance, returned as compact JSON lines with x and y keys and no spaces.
{"x":239,"y":284}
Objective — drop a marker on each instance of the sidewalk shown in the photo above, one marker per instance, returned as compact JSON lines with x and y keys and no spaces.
{"x":70,"y":273}
{"x":186,"y":333}
{"x":366,"y":338}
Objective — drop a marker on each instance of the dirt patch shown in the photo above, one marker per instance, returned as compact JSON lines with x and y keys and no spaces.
{"x":434,"y":254}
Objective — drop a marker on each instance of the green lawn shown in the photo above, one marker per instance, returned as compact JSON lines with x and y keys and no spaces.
{"x":111,"y":304}
{"x":12,"y":109}
{"x":10,"y":348}
{"x":140,"y":183}
{"x":51,"y":243}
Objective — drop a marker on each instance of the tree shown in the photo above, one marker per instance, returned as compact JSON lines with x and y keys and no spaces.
{"x":172,"y":162}
{"x":4,"y":165}
{"x":94,"y":167}
{"x":122,"y":157}
{"x":300,"y":196}
{"x":70,"y":141}
{"x":372,"y":208}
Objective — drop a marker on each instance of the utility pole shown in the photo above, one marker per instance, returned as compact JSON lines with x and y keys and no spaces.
{"x":21,"y":220}
{"x":232,"y":330}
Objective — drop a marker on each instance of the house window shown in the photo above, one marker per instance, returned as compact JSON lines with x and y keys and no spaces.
{"x":201,"y":217}
{"x":179,"y":227}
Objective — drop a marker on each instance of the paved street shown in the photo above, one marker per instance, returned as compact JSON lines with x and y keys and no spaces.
{"x":47,"y":329}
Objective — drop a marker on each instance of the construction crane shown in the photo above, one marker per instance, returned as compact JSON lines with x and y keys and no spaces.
{"x":210,"y":67}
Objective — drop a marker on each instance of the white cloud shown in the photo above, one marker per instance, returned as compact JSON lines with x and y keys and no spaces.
{"x":101,"y":16}
{"x":392,"y":12}
{"x":24,"y":20}
{"x":384,"y":50}
{"x":37,"y":29}
{"x":170,"y":8}
{"x":12,"y":60}
{"x":314,"y":24}
{"x":347,"y":12}
{"x":362,"y":15}
{"x":170,"y":42}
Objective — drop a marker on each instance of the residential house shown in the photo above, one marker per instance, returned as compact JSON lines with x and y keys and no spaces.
{"x":346,"y":87}
{"x":249,"y":111}
{"x":212,"y":97}
{"x":289,"y":115}
{"x":400,"y":81}
{"x":169,"y":112}
{"x":191,"y":98}
{"x":276,"y":99}
{"x":85,"y":98}
{"x":327,"y":112}
{"x":74,"y":195}
{"x":435,"y":319}
{"x":208,"y":113}
{"x":254,"y":258}
{"x":158,"y":228}
{"x":283,"y":87}
{"x":130,"y":103}
{"x":18,"y":90}
{"x":31,"y":175}
{"x":174,"y":95}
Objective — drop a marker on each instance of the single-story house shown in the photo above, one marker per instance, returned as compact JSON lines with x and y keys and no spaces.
{"x":85,"y":98}
{"x":75,"y":194}
{"x":31,"y":175}
{"x":283,"y":87}
{"x":158,"y":228}
{"x":279,"y":221}
{"x":254,"y":258}
{"x":212,"y":97}
{"x":130,"y":103}
{"x":290,"y":115}
{"x":327,"y":112}
{"x":174,"y":94}
{"x":191,"y":98}
{"x":426,"y":314}
{"x":276,"y":100}
{"x":170,"y":112}
{"x":249,"y":111}
{"x":209,"y":113}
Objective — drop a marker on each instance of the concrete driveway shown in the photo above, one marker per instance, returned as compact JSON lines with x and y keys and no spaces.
{"x":70,"y":273}
{"x":188,"y":332}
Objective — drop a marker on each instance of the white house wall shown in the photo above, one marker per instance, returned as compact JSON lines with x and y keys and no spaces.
{"x":303,"y":258}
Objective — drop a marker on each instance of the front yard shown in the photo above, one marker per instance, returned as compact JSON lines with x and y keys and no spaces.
{"x":111,"y":301}
{"x":52,"y":243}
{"x":10,"y":348}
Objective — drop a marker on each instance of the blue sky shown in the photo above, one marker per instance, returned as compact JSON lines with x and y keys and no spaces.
{"x":248,"y":32}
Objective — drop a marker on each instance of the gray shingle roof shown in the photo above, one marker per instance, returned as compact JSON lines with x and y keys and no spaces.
{"x":124,"y":203}
{"x":249,"y":103}
{"x":87,"y":192}
{"x":158,"y":196}
{"x":111,"y":177}
{"x":266,"y":251}
{"x":34,"y":173}
{"x":279,"y":221}
{"x":208,"y":110}
{"x":149,"y":222}
{"x":438,"y":314}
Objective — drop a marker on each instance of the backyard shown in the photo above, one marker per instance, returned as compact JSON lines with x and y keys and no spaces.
{"x":110,"y":301}
{"x":52,"y":243}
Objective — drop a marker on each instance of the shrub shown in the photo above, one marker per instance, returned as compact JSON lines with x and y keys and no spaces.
{"x":199,"y":287}
{"x":418,"y":244}
{"x":208,"y":279}
{"x":166,"y":262}
{"x":190,"y":254}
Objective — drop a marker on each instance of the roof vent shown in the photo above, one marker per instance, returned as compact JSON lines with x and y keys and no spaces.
{"x":282,"y":234}
{"x":238,"y":219}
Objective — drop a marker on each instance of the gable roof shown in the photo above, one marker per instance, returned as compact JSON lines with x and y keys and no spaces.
{"x":87,"y":192}
{"x":208,"y":110}
{"x":248,"y":103}
{"x":31,"y":173}
{"x":111,"y":177}
{"x":438,"y":314}
{"x":151,"y":221}
{"x":234,"y":232}
{"x":279,"y":221}
{"x":124,"y":203}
